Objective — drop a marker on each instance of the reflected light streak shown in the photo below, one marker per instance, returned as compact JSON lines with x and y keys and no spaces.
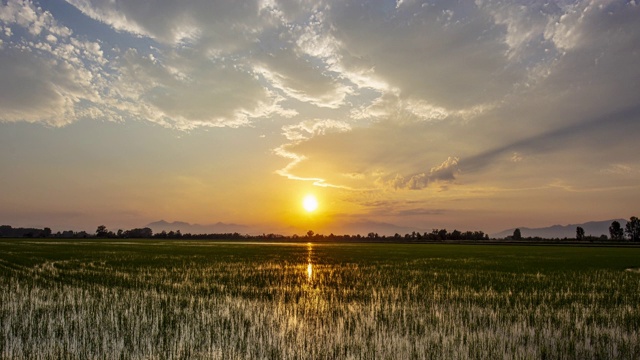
{"x":309,"y":264}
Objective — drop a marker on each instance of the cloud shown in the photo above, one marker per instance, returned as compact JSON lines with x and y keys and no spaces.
{"x":302,"y":62}
{"x":223,"y":26}
{"x":187,"y":90}
{"x":425,"y":60}
{"x":368,"y":157}
{"x":26,"y":15}
{"x":620,"y":169}
{"x":450,"y":54}
{"x":310,"y":128}
{"x":602,"y":130}
{"x":303,"y":131}
{"x":445,"y":172}
{"x":57,"y":77}
{"x":32,"y":96}
{"x":552,"y":99}
{"x":48,"y":75}
{"x":491,"y":86}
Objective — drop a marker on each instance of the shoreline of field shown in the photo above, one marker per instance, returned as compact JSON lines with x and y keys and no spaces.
{"x":491,"y":242}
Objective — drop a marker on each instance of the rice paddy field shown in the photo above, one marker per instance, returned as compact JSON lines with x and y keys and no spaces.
{"x":100,"y":299}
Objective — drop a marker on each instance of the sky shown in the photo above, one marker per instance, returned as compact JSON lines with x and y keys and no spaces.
{"x":396,"y":115}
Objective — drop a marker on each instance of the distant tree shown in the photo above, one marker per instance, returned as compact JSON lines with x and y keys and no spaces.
{"x":517,"y":235}
{"x":142,"y":233}
{"x":146,"y":232}
{"x":46,"y":232}
{"x":310,"y":233}
{"x":616,"y":231}
{"x":633,"y":229}
{"x":101,"y":231}
{"x":579,"y":233}
{"x":5,"y":230}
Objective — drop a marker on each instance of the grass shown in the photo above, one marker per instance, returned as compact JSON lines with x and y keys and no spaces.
{"x":164,"y":299}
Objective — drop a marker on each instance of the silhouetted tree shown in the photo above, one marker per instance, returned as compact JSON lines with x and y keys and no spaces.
{"x":616,"y":231}
{"x":101,"y":231}
{"x":579,"y":233}
{"x":310,"y":233}
{"x":46,"y":232}
{"x":138,"y":233}
{"x":633,"y":229}
{"x":517,"y":235}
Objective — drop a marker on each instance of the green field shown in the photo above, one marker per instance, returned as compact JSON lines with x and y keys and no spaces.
{"x":166,"y":299}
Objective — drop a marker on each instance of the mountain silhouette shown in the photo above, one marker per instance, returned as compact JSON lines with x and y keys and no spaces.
{"x":591,"y":228}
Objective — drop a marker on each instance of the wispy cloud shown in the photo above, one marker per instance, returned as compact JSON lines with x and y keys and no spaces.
{"x":300,"y":132}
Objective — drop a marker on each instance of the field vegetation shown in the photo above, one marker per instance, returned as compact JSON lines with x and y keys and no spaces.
{"x":197,"y":299}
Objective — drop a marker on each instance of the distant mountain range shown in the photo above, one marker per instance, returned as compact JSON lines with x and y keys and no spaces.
{"x":184,"y":227}
{"x":591,"y":228}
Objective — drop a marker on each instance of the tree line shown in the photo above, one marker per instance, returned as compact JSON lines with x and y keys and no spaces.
{"x":147,"y":233}
{"x":631,"y":231}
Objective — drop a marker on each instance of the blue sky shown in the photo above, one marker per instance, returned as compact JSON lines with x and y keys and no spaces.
{"x":396,"y":115}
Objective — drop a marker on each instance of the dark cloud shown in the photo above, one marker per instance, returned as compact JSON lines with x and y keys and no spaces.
{"x":601,"y":131}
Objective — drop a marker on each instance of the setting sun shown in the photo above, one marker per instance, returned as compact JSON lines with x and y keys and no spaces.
{"x":310,"y":203}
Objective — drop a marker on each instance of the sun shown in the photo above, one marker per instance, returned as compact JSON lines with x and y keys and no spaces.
{"x":310,"y":203}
